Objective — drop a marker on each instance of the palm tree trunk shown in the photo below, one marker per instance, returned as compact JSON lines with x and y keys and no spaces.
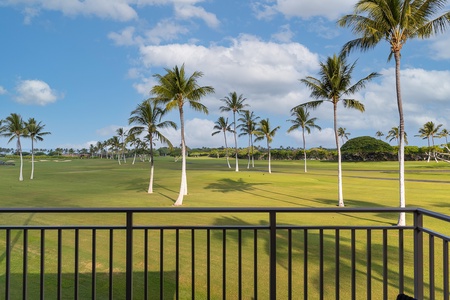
{"x":183,"y":185}
{"x":268,"y":148}
{"x":150,"y":184}
{"x":401,"y":149}
{"x":32,"y":158}
{"x":19,"y":146}
{"x":253,"y":150}
{"x":429,"y":151}
{"x":249,"y":149}
{"x":235,"y":142}
{"x":226,"y":149}
{"x":304,"y":148}
{"x":336,"y":136}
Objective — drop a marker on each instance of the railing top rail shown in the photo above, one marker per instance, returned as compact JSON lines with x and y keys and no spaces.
{"x":214,"y":209}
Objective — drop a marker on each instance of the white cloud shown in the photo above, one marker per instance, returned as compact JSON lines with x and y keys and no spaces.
{"x":284,"y":35}
{"x":331,"y":9}
{"x":165,"y":30}
{"x":188,"y":11}
{"x":440,"y":45}
{"x":264,"y":72}
{"x":36,"y":92}
{"x":2,"y":90}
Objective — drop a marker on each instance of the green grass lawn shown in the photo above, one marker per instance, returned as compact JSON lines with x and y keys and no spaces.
{"x":104,"y":183}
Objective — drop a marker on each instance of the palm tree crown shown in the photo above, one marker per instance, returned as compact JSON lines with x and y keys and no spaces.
{"x":14,"y":128}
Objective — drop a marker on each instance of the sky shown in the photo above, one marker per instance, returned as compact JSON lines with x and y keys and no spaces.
{"x":81,"y":66}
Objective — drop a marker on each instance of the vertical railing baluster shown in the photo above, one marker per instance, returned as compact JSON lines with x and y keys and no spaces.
{"x":239,"y":264}
{"x":25,"y":265}
{"x":353,"y":257}
{"x":59,"y":268}
{"x":446,"y":271}
{"x":208,"y":264}
{"x":42,"y":268}
{"x":129,"y":255}
{"x":94,"y":265}
{"x":431,"y":265}
{"x":337,"y":264}
{"x":418,"y":255}
{"x":273,"y":255}
{"x":111,"y":264}
{"x":305,"y":264}
{"x":289,"y":264}
{"x":369,"y":264}
{"x":177,"y":264}
{"x":224,"y":264}
{"x":255,"y":265}
{"x":385,"y":264}
{"x":321,"y":264}
{"x":161,"y":264}
{"x":76,"y":264}
{"x":193,"y":263}
{"x":145,"y":264}
{"x":401,"y":261}
{"x":8,"y":264}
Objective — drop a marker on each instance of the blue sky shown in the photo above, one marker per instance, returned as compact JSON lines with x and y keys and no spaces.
{"x":81,"y":67}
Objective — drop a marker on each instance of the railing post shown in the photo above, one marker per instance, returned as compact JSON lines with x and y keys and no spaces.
{"x":418,"y":255}
{"x":273,"y":255}
{"x":129,"y":256}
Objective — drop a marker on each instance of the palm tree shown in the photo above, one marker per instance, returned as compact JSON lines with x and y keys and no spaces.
{"x":429,"y":131}
{"x":14,"y":128}
{"x":379,"y":134}
{"x":115,"y":144}
{"x":264,"y":131}
{"x":303,"y":121}
{"x":335,"y":83}
{"x":148,"y":117}
{"x":247,"y":126}
{"x":444,"y":134}
{"x":234,"y":103}
{"x":222,"y":125}
{"x":121,"y":132}
{"x":343,"y":134}
{"x":395,"y":21}
{"x":174,"y":90}
{"x":394,"y":134}
{"x":35,"y":132}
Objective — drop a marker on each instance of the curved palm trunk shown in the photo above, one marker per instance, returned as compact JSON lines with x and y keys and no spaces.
{"x":336,"y":136}
{"x":429,"y":151}
{"x":32,"y":158}
{"x":235,"y":142}
{"x":401,"y":149}
{"x":19,"y":146}
{"x":152,"y":167}
{"x":253,"y":156}
{"x":183,"y":185}
{"x":226,"y":149}
{"x":268,"y":148}
{"x":249,"y":149}
{"x":304,"y":148}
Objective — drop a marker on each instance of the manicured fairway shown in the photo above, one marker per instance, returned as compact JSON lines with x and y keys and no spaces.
{"x":104,"y":183}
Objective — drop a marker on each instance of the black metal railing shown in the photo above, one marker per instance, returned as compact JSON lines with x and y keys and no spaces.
{"x":222,"y":253}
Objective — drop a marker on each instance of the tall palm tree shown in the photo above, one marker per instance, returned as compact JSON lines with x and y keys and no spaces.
{"x":174,"y":89}
{"x":236,"y":104}
{"x":14,"y":128}
{"x":444,"y":134}
{"x":379,"y":134}
{"x":335,"y":83}
{"x":115,"y":145}
{"x":302,"y":120}
{"x":247,"y":126}
{"x":264,"y":131}
{"x":121,"y":132}
{"x":222,"y":125}
{"x":395,"y":21}
{"x":343,"y":134}
{"x":429,"y":131}
{"x":147,"y":117}
{"x":36,"y":133}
